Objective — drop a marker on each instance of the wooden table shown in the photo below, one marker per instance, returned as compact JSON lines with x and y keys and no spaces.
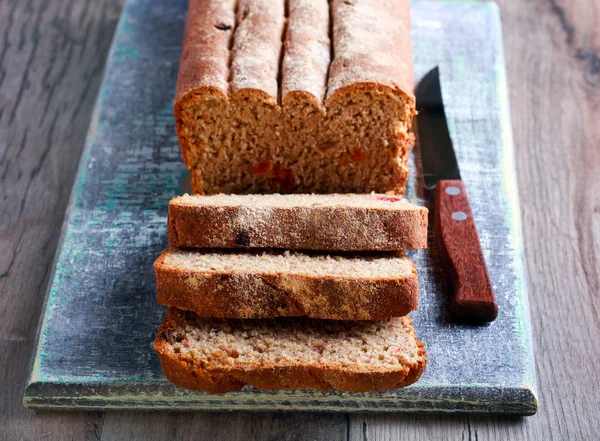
{"x":52,"y":56}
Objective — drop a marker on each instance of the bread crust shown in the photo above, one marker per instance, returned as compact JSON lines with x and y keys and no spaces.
{"x":359,"y":62}
{"x":318,"y":227}
{"x":256,"y":48}
{"x":204,"y":62}
{"x":371,"y":53}
{"x":216,"y":380}
{"x":307,"y":52}
{"x":264,"y":295}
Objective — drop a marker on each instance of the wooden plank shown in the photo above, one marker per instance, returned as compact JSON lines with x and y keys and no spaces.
{"x":231,"y":426}
{"x":398,"y":427}
{"x":126,"y":426}
{"x":52,"y":56}
{"x":439,"y":427}
{"x":554,"y":54}
{"x":536,"y":44}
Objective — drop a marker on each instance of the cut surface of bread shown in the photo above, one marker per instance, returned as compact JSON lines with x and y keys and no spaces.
{"x":261,"y":284}
{"x":340,"y":222}
{"x":296,"y":96}
{"x":223,"y":355}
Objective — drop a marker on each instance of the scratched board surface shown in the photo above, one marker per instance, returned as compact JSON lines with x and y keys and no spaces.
{"x":95,"y":338}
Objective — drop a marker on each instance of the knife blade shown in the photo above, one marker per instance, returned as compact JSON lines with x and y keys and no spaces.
{"x":455,"y":230}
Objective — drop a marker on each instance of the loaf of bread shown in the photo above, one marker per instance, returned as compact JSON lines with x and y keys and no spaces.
{"x":335,"y":222}
{"x":223,"y":355}
{"x":315,"y":97}
{"x":244,"y":284}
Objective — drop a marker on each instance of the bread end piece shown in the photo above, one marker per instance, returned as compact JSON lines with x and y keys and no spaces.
{"x":224,"y":375}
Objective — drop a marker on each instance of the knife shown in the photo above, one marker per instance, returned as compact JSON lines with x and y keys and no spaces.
{"x":455,"y":232}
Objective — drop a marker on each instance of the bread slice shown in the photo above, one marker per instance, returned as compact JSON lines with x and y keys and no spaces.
{"x":223,"y":355}
{"x":302,"y":96}
{"x":334,"y":222}
{"x":243,"y":284}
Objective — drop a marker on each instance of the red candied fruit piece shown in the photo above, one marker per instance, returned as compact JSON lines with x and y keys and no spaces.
{"x":261,"y":169}
{"x":357,"y":155}
{"x":185,"y":343}
{"x":381,"y":197}
{"x":283,"y":178}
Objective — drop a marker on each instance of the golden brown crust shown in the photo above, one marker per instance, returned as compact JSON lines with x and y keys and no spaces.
{"x":374,"y":51}
{"x":297,"y":228}
{"x":205,"y":57}
{"x":264,"y":295}
{"x":257,"y":47}
{"x":221,"y":380}
{"x":307,"y":52}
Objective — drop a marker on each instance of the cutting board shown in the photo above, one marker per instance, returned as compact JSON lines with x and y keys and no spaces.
{"x":95,"y":336}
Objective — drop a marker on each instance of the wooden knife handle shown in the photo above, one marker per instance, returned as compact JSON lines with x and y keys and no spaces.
{"x":458,"y":241}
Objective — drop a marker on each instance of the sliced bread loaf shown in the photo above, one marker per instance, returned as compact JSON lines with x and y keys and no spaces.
{"x":216,"y":355}
{"x":341,"y":222}
{"x":245,"y":284}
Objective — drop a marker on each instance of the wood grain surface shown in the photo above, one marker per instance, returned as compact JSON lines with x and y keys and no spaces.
{"x":51,"y":60}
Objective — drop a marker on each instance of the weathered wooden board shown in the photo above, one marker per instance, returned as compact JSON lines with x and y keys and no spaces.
{"x":95,"y":338}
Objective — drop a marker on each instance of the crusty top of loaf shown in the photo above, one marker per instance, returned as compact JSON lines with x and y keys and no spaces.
{"x":307,"y":50}
{"x":257,"y":201}
{"x":369,"y":46}
{"x":256,"y":47}
{"x":205,"y":57}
